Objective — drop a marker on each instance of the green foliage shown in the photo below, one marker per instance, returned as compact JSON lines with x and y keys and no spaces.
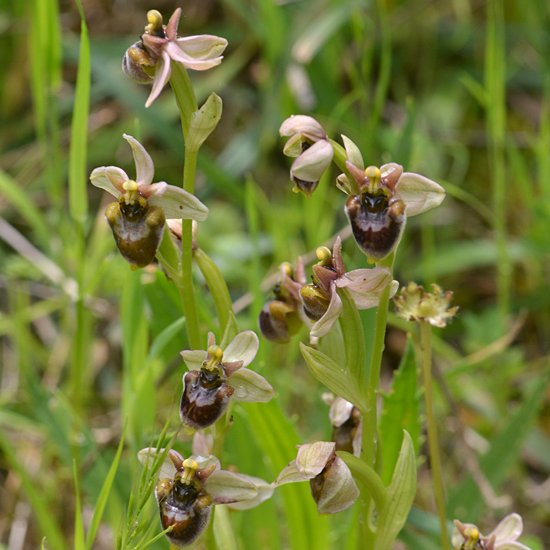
{"x":401,"y":411}
{"x":88,"y":347}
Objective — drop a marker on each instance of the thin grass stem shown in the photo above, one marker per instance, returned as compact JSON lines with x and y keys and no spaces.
{"x":433,"y":442}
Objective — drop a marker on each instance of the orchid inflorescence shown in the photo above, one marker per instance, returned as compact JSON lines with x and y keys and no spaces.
{"x":379,"y":201}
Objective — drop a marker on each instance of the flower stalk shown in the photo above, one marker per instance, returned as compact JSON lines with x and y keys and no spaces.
{"x":433,"y":440}
{"x":187,"y":105}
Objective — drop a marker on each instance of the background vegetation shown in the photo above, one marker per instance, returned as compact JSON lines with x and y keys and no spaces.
{"x":458,"y":91}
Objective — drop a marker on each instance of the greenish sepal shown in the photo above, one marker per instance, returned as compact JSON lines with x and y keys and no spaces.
{"x":334,"y":376}
{"x":204,"y":121}
{"x":401,"y":491}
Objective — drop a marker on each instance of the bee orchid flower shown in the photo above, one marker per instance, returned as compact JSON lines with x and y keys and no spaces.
{"x":150,"y":58}
{"x":217,"y":375}
{"x":188,"y":488}
{"x":332,"y":485}
{"x":466,"y":536}
{"x":138,"y":217}
{"x":320,"y":298}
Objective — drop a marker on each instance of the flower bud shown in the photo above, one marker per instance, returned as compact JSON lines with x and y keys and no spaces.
{"x":137,"y":229}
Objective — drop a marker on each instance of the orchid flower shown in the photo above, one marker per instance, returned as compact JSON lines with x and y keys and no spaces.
{"x":466,"y":536}
{"x":332,"y":485}
{"x":282,"y":317}
{"x":187,"y":489}
{"x":137,"y":218}
{"x":387,"y":197}
{"x":321,"y":300}
{"x":346,"y":422}
{"x":309,"y":144}
{"x":160,"y":45}
{"x":217,"y":375}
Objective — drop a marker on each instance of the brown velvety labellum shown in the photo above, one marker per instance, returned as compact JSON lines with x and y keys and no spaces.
{"x":376,"y":224}
{"x":137,"y":230}
{"x":203,"y":400}
{"x":185,"y":510}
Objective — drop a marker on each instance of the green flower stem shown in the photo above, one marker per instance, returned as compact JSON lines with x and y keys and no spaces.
{"x":185,"y":96}
{"x":370,"y":418}
{"x":435,"y":459}
{"x":187,"y":104}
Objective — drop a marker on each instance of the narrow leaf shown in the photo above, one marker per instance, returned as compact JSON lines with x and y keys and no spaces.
{"x":400,"y":497}
{"x":401,"y":411}
{"x":104,"y":495}
{"x":78,"y":196}
{"x":333,"y":376}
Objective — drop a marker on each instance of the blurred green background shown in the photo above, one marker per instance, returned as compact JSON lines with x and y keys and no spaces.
{"x":458,"y":91}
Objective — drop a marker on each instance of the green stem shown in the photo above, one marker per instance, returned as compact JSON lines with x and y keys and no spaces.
{"x":187,"y":104}
{"x":187,"y":289}
{"x":370,"y":418}
{"x":433,"y":443}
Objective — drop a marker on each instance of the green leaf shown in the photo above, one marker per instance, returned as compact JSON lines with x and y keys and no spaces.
{"x":335,"y":377}
{"x":22,"y":201}
{"x":165,"y":337}
{"x":400,"y":411}
{"x":401,"y":493}
{"x":78,"y":521}
{"x":103,"y":496}
{"x":354,"y":340}
{"x":217,"y":286}
{"x":204,"y":122}
{"x":277,"y":438}
{"x":78,"y":181}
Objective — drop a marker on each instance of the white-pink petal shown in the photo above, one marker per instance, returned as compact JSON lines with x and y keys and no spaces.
{"x":110,"y":179}
{"x":419,"y":193}
{"x":143,"y":161}
{"x":311,"y":164}
{"x":177,"y":54}
{"x":194,"y":358}
{"x":250,"y":387}
{"x":242,"y":348}
{"x":313,"y":457}
{"x":302,"y":124}
{"x":202,"y":46}
{"x":509,"y":528}
{"x":176,"y":202}
{"x":366,"y":285}
{"x":324,"y":324}
{"x":162,"y":75}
